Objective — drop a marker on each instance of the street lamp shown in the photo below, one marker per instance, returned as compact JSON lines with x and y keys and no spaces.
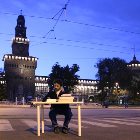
{"x":117,"y":86}
{"x":138,"y":97}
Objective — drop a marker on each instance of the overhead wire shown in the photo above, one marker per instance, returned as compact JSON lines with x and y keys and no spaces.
{"x":81,"y":23}
{"x":92,"y":48}
{"x":61,"y":44}
{"x":77,"y":41}
{"x":64,"y":8}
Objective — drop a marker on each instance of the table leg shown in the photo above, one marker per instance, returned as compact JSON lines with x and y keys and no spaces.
{"x":38,"y":119}
{"x":79,"y":120}
{"x":42,"y":117}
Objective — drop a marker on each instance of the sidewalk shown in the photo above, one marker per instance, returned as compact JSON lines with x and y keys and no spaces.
{"x":71,"y":106}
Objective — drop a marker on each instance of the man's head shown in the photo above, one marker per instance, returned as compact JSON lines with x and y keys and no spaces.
{"x":57,"y":84}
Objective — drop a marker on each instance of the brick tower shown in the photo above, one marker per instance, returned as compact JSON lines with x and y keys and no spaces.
{"x":19,"y":66}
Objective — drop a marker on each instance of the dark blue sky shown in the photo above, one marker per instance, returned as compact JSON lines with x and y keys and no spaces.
{"x":94,"y":29}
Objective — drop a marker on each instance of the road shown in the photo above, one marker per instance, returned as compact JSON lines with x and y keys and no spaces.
{"x":97,"y":124}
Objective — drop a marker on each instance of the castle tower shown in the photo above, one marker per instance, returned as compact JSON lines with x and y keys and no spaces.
{"x":19,"y":66}
{"x":134,"y":66}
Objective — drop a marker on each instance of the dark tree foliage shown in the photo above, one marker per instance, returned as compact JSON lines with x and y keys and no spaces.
{"x":3,"y":92}
{"x":67,"y":74}
{"x":111,"y":71}
{"x":135,"y":88}
{"x":2,"y":87}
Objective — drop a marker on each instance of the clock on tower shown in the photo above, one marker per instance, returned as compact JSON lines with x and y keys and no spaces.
{"x":21,"y":48}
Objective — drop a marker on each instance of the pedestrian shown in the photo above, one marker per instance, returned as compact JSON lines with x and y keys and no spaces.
{"x":56,"y":109}
{"x":106,"y":105}
{"x":127,"y":105}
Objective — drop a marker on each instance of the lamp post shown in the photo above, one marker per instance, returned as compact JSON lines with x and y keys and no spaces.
{"x":117,"y":86}
{"x":138,"y":97}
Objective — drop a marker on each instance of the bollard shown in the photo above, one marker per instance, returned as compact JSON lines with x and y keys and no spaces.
{"x":83,"y":102}
{"x":77,"y":100}
{"x":23,"y":100}
{"x":16,"y":100}
{"x":36,"y":99}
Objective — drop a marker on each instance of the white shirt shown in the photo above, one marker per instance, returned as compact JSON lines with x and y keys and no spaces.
{"x":57,"y":92}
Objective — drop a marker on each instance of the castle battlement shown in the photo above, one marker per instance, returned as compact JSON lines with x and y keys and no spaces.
{"x":20,"y":40}
{"x":10,"y":56}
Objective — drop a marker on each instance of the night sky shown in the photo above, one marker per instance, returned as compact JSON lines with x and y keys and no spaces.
{"x":85,"y":32}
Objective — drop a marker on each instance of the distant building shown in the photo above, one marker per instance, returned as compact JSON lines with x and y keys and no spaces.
{"x":86,"y":88}
{"x":41,"y":86}
{"x":134,"y":66}
{"x":2,"y":78}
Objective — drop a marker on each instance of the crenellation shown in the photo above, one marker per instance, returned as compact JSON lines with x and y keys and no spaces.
{"x":21,"y":40}
{"x":33,"y":59}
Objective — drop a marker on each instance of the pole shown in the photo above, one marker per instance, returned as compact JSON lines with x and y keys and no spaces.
{"x":23,"y":100}
{"x":83,"y":102}
{"x":42,"y":117}
{"x":16,"y":100}
{"x":79,"y":120}
{"x":77,"y":100}
{"x":38,"y":119}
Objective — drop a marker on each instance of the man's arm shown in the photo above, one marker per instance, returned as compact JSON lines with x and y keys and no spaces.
{"x":46,"y":97}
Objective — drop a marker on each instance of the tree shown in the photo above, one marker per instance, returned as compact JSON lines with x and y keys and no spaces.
{"x":117,"y":92}
{"x":2,"y":92}
{"x":134,"y":89}
{"x":67,"y":74}
{"x":111,"y":71}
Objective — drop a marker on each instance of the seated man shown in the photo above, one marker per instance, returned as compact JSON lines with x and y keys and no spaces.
{"x":58,"y":108}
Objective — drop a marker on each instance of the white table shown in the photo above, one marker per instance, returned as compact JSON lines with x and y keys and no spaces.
{"x":42,"y":114}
